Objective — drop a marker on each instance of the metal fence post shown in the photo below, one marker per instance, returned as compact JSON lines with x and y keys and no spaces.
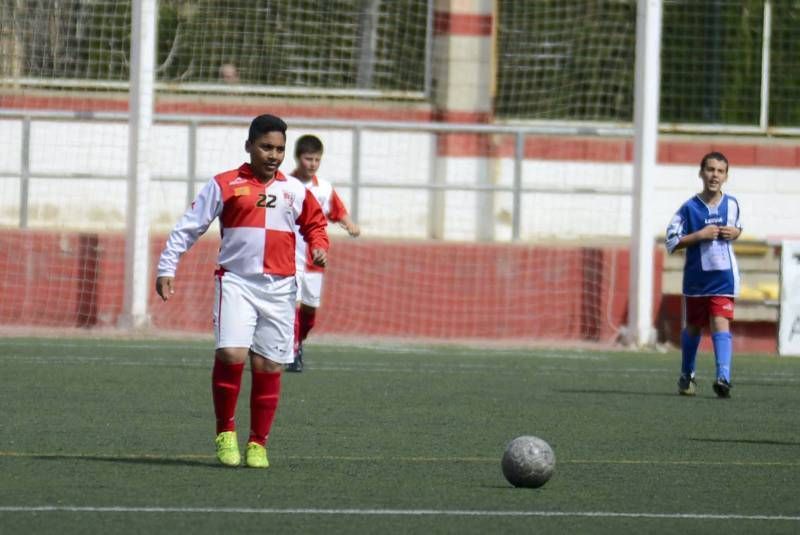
{"x":356,"y":173}
{"x":192,"y":162}
{"x":519,"y":157}
{"x":763,"y":121}
{"x":25,"y":172}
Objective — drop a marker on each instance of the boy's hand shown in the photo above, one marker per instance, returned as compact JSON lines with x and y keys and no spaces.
{"x":164,"y":287}
{"x":710,"y":232}
{"x":353,"y":230}
{"x":728,"y":233}
{"x":320,"y":257}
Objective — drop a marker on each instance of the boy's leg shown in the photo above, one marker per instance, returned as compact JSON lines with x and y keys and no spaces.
{"x":723,"y":353}
{"x":311,"y":296}
{"x":309,"y":292}
{"x":226,"y":380}
{"x":297,"y":363}
{"x":307,"y":318}
{"x":264,"y":396}
{"x":271,"y":350}
{"x":690,"y":341}
{"x":695,"y":317}
{"x":234,"y":322}
{"x":721,"y":316}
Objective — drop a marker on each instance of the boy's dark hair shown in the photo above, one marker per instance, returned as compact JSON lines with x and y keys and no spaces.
{"x":307,"y":144}
{"x":264,"y":124}
{"x":714,"y":156}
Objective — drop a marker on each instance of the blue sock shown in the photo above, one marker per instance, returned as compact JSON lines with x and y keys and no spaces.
{"x":689,"y":346}
{"x":723,"y":352}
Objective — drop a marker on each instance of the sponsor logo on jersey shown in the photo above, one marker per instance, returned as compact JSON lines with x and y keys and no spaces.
{"x":239,"y":192}
{"x":237,"y":180}
{"x":714,"y":220}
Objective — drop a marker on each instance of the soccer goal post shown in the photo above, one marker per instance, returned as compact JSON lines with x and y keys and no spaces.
{"x":646,"y":99}
{"x":142,"y":81}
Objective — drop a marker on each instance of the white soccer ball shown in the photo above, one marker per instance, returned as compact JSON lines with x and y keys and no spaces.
{"x":528,"y":462}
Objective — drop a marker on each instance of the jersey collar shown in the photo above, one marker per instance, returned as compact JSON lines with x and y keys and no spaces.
{"x":245,"y":171}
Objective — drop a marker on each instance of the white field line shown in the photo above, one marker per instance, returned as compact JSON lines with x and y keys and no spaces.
{"x":430,"y":367}
{"x":409,"y":459}
{"x":549,"y":368}
{"x":489,"y":352}
{"x":362,"y":366}
{"x":390,"y":512}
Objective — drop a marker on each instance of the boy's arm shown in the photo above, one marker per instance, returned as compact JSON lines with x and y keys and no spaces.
{"x":313,"y":227}
{"x":350,"y":226}
{"x":187,"y":231}
{"x":338,"y":214}
{"x":707,"y":233}
{"x":677,"y":239}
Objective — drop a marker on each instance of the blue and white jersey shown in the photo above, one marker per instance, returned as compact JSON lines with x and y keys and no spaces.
{"x":710,"y":267}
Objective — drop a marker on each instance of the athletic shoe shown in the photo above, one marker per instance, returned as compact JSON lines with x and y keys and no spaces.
{"x":228,"y":449}
{"x":297,"y":365}
{"x":722,"y":387}
{"x":686,"y":385}
{"x":256,"y":455}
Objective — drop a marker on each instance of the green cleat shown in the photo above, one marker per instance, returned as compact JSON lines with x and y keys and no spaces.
{"x":228,"y":448}
{"x":686,"y":385}
{"x":256,"y":455}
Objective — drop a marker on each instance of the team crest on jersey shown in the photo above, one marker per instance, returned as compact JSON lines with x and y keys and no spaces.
{"x":288,"y":196}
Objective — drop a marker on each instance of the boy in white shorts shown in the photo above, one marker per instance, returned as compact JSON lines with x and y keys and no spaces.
{"x":261,"y":212}
{"x":308,"y":156}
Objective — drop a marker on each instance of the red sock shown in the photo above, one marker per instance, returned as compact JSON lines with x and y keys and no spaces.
{"x":306,"y":318}
{"x":263,"y":403}
{"x":226,"y":379}
{"x":296,"y":328}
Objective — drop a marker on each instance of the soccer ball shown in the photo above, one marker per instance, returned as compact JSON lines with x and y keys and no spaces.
{"x":528,"y":462}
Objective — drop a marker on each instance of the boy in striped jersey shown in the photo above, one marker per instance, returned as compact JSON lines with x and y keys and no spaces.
{"x":308,"y":157}
{"x":706,"y":226}
{"x":258,"y":210}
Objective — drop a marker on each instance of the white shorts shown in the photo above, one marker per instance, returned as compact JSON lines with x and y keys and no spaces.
{"x":256,"y":312}
{"x":309,"y":287}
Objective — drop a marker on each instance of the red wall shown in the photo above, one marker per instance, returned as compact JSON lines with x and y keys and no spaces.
{"x":377,"y":288}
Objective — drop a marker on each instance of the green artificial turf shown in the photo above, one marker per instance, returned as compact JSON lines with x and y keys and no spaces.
{"x":117,"y":436}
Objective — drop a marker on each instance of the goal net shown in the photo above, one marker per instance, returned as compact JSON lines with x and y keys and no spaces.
{"x":510,"y":224}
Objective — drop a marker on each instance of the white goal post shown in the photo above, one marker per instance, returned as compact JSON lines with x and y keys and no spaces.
{"x":645,"y":141}
{"x":137,"y":261}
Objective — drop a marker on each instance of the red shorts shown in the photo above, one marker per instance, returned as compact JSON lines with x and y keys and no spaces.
{"x":697,"y":311}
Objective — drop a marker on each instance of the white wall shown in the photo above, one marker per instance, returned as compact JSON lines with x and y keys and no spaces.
{"x":67,"y":151}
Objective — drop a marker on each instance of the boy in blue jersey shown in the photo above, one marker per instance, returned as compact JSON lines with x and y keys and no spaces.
{"x":706,"y":226}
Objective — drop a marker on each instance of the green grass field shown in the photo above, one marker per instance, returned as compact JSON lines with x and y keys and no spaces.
{"x":117,"y":436}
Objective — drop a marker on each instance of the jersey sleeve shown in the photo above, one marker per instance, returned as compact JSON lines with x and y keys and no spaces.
{"x":337,"y":209}
{"x":195,"y":221}
{"x":312,"y":223}
{"x":675,"y":231}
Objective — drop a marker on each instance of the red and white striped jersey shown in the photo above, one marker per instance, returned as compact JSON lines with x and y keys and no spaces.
{"x":258,"y":222}
{"x":334,"y":210}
